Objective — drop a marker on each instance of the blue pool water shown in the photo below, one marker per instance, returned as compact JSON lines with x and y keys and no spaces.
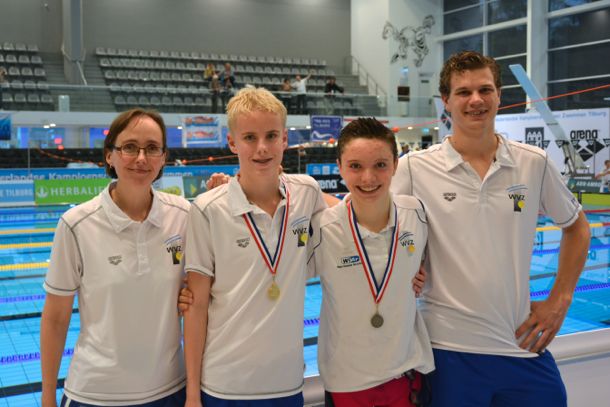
{"x":25,"y":243}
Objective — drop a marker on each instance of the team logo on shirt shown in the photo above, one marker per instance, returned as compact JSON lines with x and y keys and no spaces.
{"x":407,"y":240}
{"x":517,"y":194}
{"x":300,"y":228}
{"x":449,"y":196}
{"x":348,"y":261}
{"x":115,"y":260}
{"x":243,"y":242}
{"x":173,"y":245}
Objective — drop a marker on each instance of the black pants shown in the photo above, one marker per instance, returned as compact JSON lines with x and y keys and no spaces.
{"x":301,"y":104}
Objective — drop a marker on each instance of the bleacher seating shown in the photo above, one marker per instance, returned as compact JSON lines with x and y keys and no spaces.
{"x":26,"y":87}
{"x":175,"y":78}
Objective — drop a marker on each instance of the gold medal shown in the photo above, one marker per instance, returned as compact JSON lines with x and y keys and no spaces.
{"x":273,"y":292}
{"x":377,"y":320}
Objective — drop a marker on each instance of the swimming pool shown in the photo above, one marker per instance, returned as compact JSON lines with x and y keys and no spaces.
{"x":26,"y":235}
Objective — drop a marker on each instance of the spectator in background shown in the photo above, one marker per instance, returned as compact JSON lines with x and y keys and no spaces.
{"x":215,"y":89}
{"x":604,"y":175}
{"x":228,"y":74}
{"x":330,"y":89}
{"x":227,"y":83}
{"x":2,"y":80}
{"x":209,"y":72}
{"x":300,"y":87}
{"x":285,"y":96}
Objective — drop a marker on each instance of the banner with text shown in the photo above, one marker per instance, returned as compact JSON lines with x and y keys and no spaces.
{"x":67,"y":191}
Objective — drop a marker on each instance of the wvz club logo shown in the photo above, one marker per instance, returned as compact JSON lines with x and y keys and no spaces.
{"x":449,"y":196}
{"x":173,"y":245}
{"x":517,"y":194}
{"x":348,"y":261}
{"x":302,"y":233}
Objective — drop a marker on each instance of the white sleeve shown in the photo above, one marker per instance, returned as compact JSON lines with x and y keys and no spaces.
{"x":199,"y":251}
{"x":556,"y":200}
{"x":401,"y":182}
{"x":65,"y":268}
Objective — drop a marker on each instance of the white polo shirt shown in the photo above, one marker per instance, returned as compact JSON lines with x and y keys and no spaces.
{"x":481,"y":236}
{"x":254,"y":345}
{"x":352,"y":354}
{"x":127,"y":276}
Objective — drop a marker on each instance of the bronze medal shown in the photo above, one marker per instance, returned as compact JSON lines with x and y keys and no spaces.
{"x":377,"y":320}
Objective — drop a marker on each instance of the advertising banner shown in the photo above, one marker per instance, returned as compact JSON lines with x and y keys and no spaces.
{"x":65,"y":191}
{"x":171,"y":185}
{"x":588,"y":132}
{"x":202,"y":130}
{"x":5,"y":126}
{"x":323,"y":128}
{"x":322,"y":169}
{"x":16,"y":193}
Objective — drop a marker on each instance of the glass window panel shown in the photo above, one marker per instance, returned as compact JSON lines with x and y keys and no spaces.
{"x":504,"y":10}
{"x":586,"y":100}
{"x":449,"y":5}
{"x":508,"y":42}
{"x":559,"y":4}
{"x":510,"y":97}
{"x":576,"y":62}
{"x":507,"y":76}
{"x":579,"y":28}
{"x":463,"y":19}
{"x":473,"y":42}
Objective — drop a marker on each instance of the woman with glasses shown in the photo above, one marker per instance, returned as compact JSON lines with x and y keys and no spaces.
{"x":121,"y":252}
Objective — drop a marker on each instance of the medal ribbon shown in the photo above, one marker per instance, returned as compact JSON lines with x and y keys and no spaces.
{"x":376,"y":289}
{"x":271,"y":262}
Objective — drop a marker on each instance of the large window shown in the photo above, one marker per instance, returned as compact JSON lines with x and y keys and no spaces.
{"x":579,"y":28}
{"x":559,"y":4}
{"x":587,"y":60}
{"x":586,"y":100}
{"x":474,"y":42}
{"x":509,"y":41}
{"x":504,"y":10}
{"x":463,"y":19}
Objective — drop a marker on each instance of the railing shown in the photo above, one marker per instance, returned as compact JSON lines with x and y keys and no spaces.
{"x":356,"y":68}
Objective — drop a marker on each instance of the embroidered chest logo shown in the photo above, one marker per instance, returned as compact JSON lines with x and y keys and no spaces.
{"x":449,"y":196}
{"x":348,"y":261}
{"x":115,"y":260}
{"x":300,"y":229}
{"x":243,"y":242}
{"x":173,"y":245}
{"x":517,"y":194}
{"x":407,"y":240}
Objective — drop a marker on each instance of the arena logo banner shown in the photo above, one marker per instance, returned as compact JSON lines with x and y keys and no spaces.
{"x":588,"y":131}
{"x":202,"y":131}
{"x":323,"y":128}
{"x":5,"y":126}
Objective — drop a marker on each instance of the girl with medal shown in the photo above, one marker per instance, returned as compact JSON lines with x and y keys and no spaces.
{"x":367,"y":250}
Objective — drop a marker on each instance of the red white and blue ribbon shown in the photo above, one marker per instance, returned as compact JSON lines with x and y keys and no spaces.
{"x":376,"y":289}
{"x":272,"y":262}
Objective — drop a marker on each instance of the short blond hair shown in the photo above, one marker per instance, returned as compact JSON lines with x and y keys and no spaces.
{"x":249,"y":100}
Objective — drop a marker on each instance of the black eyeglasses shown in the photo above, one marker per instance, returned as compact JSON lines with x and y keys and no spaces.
{"x":133,"y":150}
